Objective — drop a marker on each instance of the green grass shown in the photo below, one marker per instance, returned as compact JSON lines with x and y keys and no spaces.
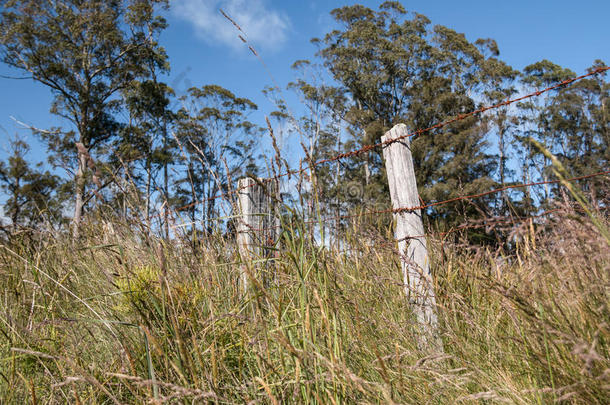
{"x":132,"y":319}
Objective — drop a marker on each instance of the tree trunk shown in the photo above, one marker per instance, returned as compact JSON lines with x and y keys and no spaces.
{"x":16,"y":206}
{"x":501,"y":147}
{"x":337,"y":198}
{"x":148,"y":192}
{"x":79,"y":193}
{"x":165,"y":197}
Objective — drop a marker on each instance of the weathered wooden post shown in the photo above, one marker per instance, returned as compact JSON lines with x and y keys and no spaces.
{"x":419,"y":285}
{"x":257,"y":225}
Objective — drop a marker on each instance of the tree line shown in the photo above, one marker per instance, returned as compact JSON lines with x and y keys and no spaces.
{"x":133,"y":149}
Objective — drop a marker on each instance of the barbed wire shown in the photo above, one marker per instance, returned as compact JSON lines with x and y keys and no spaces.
{"x":424,"y":206}
{"x":368,"y":148}
{"x":482,"y":223}
{"x":485,"y":193}
{"x":454,"y":199}
{"x":485,"y":223}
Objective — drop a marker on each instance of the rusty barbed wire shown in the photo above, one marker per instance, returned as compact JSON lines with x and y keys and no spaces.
{"x":483,"y":223}
{"x":461,"y":117}
{"x":455,"y":199}
{"x":368,"y":148}
{"x":401,"y":210}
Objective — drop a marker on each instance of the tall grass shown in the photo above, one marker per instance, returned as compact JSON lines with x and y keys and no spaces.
{"x":125,"y":319}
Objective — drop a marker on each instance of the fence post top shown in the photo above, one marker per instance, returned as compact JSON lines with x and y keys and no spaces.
{"x":398,"y":130}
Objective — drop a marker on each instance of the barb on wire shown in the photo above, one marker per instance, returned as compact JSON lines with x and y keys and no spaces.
{"x":368,"y":148}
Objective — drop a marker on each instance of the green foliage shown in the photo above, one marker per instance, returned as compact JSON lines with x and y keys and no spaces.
{"x":128,"y":146}
{"x":85,"y":52}
{"x":146,"y":147}
{"x":390,"y":69}
{"x":32,"y":197}
{"x":572,"y":125}
{"x":217,"y":142}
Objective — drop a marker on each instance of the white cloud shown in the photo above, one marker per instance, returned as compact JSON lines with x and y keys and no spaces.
{"x":265,"y":28}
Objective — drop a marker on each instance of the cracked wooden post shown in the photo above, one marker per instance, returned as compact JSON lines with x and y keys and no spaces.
{"x":409,"y":232}
{"x":257,"y":225}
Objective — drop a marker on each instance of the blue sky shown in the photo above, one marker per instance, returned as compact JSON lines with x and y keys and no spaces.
{"x":204,"y":48}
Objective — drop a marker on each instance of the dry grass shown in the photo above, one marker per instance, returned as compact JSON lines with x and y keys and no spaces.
{"x":134,"y":321}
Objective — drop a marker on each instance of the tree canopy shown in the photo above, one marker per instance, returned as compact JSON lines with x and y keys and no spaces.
{"x":133,"y":148}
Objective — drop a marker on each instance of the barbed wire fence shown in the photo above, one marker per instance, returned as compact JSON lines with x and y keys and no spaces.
{"x":231,"y":194}
{"x":259,"y":224}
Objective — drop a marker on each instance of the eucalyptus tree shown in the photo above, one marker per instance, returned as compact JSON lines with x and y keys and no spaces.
{"x":85,"y":52}
{"x":572,"y":122}
{"x":322,"y":137}
{"x":534,"y":123}
{"x":218,"y":144}
{"x":29,"y":190}
{"x":145,"y":149}
{"x":395,"y":69}
{"x":578,"y":121}
{"x":498,"y":83}
{"x":145,"y":146}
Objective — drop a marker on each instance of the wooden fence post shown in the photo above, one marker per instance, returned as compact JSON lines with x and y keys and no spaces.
{"x":419,"y":285}
{"x":257,"y":225}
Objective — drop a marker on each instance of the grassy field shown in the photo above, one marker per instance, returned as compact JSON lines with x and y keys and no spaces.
{"x":123,"y":318}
